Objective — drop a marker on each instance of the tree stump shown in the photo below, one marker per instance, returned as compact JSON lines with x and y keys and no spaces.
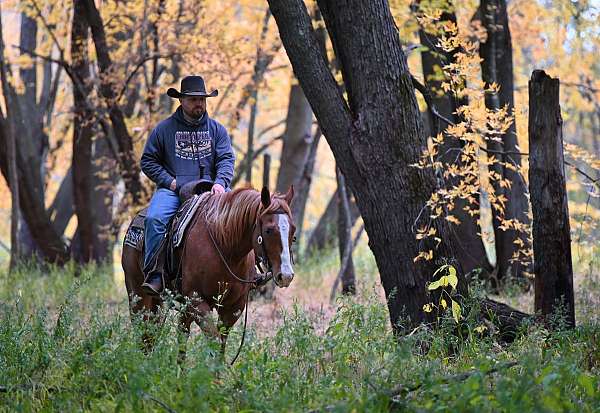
{"x":551,"y":232}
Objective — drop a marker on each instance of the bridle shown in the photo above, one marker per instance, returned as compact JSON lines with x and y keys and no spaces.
{"x":266,"y":272}
{"x":263,"y":258}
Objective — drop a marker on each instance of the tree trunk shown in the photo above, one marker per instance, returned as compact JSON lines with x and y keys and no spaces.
{"x":466,"y":235}
{"x":251,"y":126}
{"x":33,"y":115}
{"x":374,"y":137}
{"x":303,"y":186}
{"x":62,"y":208}
{"x":595,"y":119}
{"x":266,"y":180}
{"x":104,"y":180}
{"x":324,"y":233}
{"x":28,"y":75}
{"x":15,"y":213}
{"x":296,"y":140}
{"x":129,"y":164}
{"x":82,"y":134}
{"x":551,"y":232}
{"x":31,"y":188}
{"x":13,"y":178}
{"x":344,"y":230}
{"x":497,"y":67}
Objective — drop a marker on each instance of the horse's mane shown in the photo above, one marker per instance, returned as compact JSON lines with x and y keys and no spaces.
{"x":228,"y":215}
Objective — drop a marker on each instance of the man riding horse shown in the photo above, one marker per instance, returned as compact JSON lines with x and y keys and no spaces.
{"x":185,"y":147}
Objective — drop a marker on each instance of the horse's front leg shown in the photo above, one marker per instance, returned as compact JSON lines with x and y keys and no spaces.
{"x":153,"y":319}
{"x":227,"y":318}
{"x":224,"y":332}
{"x":185,"y":322}
{"x":201,"y":314}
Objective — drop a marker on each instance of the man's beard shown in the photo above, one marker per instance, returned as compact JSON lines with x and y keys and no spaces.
{"x":196,"y":113}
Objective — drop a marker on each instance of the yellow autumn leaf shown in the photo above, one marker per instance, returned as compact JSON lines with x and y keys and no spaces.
{"x":480,"y":329}
{"x":434,"y":285}
{"x":456,"y":311}
{"x":452,"y":278}
{"x":453,"y":219}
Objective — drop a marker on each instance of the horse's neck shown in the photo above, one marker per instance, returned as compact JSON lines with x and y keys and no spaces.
{"x":241,"y":248}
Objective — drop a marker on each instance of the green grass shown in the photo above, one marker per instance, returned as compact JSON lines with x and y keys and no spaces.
{"x":67,"y":344}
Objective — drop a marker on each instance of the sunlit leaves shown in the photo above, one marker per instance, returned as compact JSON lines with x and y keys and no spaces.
{"x":456,"y":311}
{"x":461,"y":154}
{"x":448,"y":278}
{"x":480,"y":329}
{"x":424,"y":255}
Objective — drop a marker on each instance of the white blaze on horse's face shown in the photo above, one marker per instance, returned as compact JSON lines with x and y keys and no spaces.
{"x":287,"y":271}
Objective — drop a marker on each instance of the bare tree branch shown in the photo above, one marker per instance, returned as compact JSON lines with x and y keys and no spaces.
{"x":137,"y":67}
{"x":345,"y":260}
{"x":48,"y":29}
{"x":427,"y":96}
{"x":593,"y":180}
{"x":243,"y":164}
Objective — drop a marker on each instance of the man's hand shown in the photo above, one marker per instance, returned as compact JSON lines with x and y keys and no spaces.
{"x":217,"y":189}
{"x":173,"y":185}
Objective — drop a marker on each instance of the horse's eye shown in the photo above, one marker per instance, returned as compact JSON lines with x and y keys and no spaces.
{"x":294,"y":238}
{"x":269,"y":231}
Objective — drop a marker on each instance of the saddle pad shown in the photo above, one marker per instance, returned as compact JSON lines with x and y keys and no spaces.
{"x":134,"y":237}
{"x":138,"y":220}
{"x":183,"y":218}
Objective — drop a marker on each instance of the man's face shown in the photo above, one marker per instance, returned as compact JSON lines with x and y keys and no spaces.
{"x":193,"y":106}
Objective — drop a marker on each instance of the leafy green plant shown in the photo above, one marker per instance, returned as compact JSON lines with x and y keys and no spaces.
{"x":447,"y":279}
{"x":73,"y":347}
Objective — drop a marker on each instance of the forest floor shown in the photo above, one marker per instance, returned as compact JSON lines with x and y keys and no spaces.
{"x":68,"y":344}
{"x":311,"y":291}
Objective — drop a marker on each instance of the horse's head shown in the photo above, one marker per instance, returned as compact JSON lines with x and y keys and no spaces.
{"x":274,"y":234}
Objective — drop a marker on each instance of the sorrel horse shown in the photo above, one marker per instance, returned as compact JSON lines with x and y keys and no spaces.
{"x":218,"y":258}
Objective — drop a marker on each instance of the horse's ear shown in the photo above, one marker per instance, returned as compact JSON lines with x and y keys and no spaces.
{"x":265,"y":197}
{"x":289,"y":195}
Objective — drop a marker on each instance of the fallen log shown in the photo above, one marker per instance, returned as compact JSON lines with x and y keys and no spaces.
{"x":506,"y":319}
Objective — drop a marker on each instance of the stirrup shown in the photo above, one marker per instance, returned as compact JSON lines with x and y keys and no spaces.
{"x":153,"y":289}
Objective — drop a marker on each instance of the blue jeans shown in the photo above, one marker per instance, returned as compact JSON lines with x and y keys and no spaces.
{"x":163,"y":206}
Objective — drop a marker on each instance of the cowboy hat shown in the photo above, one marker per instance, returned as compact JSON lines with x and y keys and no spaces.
{"x":191,"y":86}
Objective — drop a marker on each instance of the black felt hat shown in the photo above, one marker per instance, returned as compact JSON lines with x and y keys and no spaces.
{"x":191,"y":86}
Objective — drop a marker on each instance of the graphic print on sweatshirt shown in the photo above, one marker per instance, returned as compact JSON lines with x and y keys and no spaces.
{"x":193,"y":145}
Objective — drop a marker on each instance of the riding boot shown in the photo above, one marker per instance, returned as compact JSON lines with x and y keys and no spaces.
{"x":155,"y":272}
{"x":153,"y":284}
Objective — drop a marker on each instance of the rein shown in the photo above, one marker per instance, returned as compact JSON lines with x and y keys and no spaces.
{"x":260,"y":279}
{"x":263,"y":279}
{"x":237,"y":278}
{"x":243,"y":331}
